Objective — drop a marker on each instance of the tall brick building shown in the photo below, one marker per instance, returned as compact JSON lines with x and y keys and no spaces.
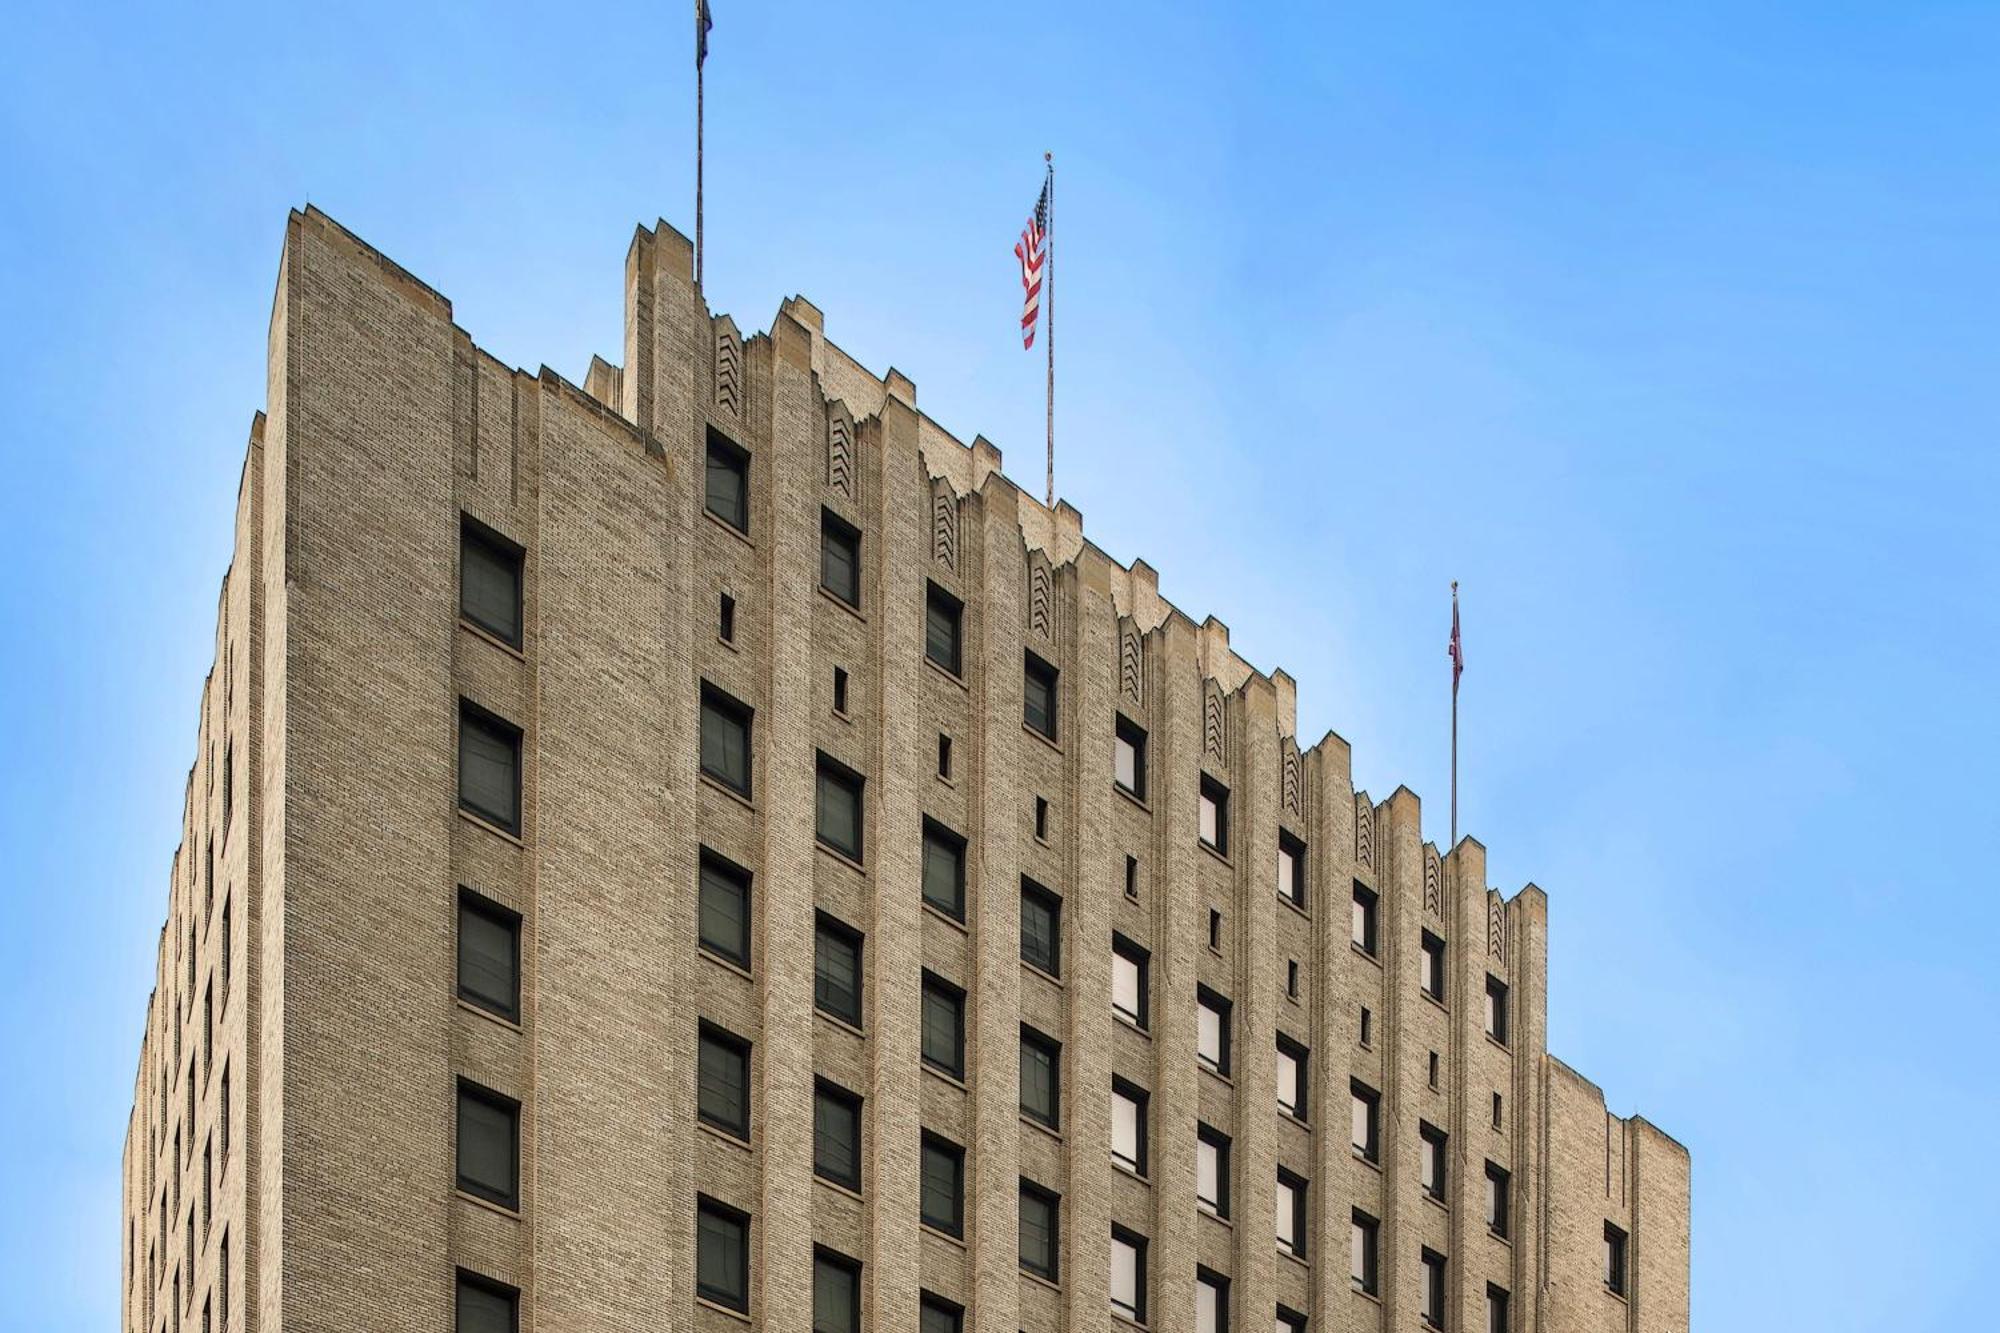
{"x":704,"y":850}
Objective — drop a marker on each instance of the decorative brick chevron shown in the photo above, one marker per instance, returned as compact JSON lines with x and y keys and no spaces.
{"x":1496,"y":926}
{"x":1212,"y":726}
{"x":1433,"y":883}
{"x":944,"y":524}
{"x":1364,"y":830}
{"x":1292,"y":779}
{"x":1131,"y":662}
{"x":840,"y":450}
{"x":1041,"y":597}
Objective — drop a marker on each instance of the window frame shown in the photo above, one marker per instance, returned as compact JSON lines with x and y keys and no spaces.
{"x":939,"y":600}
{"x":1367,"y":916}
{"x":1300,"y":1245}
{"x":706,"y":1206}
{"x":1365,"y":1096}
{"x":835,"y":531}
{"x":828,"y":1260}
{"x":728,"y":709}
{"x":1038,"y":671}
{"x":1432,"y":1295}
{"x":1224,"y":1010}
{"x":1364,"y":1251}
{"x":1433,"y":1160}
{"x":1497,"y":1016}
{"x":1208,"y":1137}
{"x":1292,"y":852}
{"x":1213,"y":793}
{"x":510,"y":1196}
{"x":1141,"y":1101}
{"x":929,"y":1303}
{"x":711,"y":865}
{"x":467,"y":1279}
{"x":1138,"y":1245}
{"x":472,"y":716}
{"x":1433,"y":958}
{"x":1131,"y":734}
{"x":1046,"y":1046}
{"x":827,"y":1092}
{"x":479,"y":905}
{"x":1499,"y":1200}
{"x":713,"y":1035}
{"x":828,"y":770}
{"x":935,"y":985}
{"x":1046,"y":900}
{"x":1617,"y":1255}
{"x":1047,"y":1198}
{"x":951,"y":843}
{"x":933,"y":1146}
{"x":1123,"y":946}
{"x":1301,"y":1057}
{"x":1218,"y":1283}
{"x":505,"y":552}
{"x":829,"y":927}
{"x":735,"y":458}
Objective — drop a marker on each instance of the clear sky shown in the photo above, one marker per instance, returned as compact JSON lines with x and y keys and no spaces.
{"x":1669,"y":330}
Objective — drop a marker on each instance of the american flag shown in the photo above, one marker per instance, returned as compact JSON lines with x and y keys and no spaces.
{"x":1031,"y":250}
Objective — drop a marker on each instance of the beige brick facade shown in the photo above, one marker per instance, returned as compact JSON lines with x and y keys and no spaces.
{"x":307,"y":993}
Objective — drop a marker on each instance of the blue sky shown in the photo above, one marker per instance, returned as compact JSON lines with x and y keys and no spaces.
{"x":1668,"y":330}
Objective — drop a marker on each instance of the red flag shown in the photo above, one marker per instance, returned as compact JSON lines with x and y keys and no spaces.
{"x":1457,"y":649}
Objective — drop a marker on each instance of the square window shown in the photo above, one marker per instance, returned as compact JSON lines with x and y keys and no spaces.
{"x":1128,"y":1125}
{"x":722,"y":1254}
{"x":1291,"y":1077}
{"x":837,"y":809}
{"x":840,"y":557}
{"x":489,"y":1144}
{"x":1212,"y":1030}
{"x":725,"y":739}
{"x":489,"y":580}
{"x":1432,"y":1159}
{"x":1433,"y":1289}
{"x":728,"y":495}
{"x":836,"y":1134}
{"x":1214,"y":814}
{"x":1128,"y":981}
{"x":1364,"y":919}
{"x":1498,"y":1186}
{"x":944,"y":870}
{"x":489,"y":766}
{"x":944,"y":1026}
{"x":938,"y":1315}
{"x":1291,"y":869}
{"x":1041,"y":927}
{"x":725,"y":908}
{"x":489,"y":955}
{"x":837,"y":969}
{"x":944,"y":622}
{"x":836,"y":1293}
{"x":1362,"y":1267}
{"x":1211,"y":1170}
{"x":1496,"y":1009}
{"x":484,"y":1306}
{"x":1291,"y":1219}
{"x":943,"y":1185}
{"x":1430,"y":967}
{"x":1128,"y":1274}
{"x":1129,"y":757}
{"x":1041,"y":1077}
{"x":1367,"y":1121}
{"x":1038,"y":696}
{"x":1496,"y":1309}
{"x":1614,"y":1259}
{"x":1041,"y":1230}
{"x":724,"y":1098}
{"x":1211,"y":1302}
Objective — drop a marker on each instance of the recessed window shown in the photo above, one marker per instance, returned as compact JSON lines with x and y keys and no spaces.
{"x":725,"y":619}
{"x":1431,"y":1159}
{"x":723,"y":1100}
{"x":1042,"y":818}
{"x":1129,"y":757}
{"x":1291,"y":1213}
{"x":1430,"y":967}
{"x":1211,"y":1302}
{"x":840,"y":690}
{"x":836,"y":1293}
{"x":489,"y":1144}
{"x":1214,"y":930}
{"x":944,"y":756}
{"x":1498,"y":1186}
{"x":944,"y":622}
{"x":837,"y":808}
{"x":1364,"y":919}
{"x":840,"y":557}
{"x":1128,"y":1274}
{"x":489,"y":766}
{"x":725,"y":739}
{"x":1038,"y":696}
{"x":1128,"y":1125}
{"x":1041,"y":1077}
{"x":1432,"y":1308}
{"x":1496,"y":1009}
{"x":944,"y":870}
{"x":837,"y":969}
{"x":1367,"y":1127}
{"x":1290,"y":1320}
{"x":1361,"y":1251}
{"x":728,"y":482}
{"x":1211,"y":1170}
{"x":1291,"y":869}
{"x":1212,"y":1030}
{"x":725,"y":908}
{"x":1367,"y":1033}
{"x":836,"y":1134}
{"x":1291,"y":978}
{"x":489,"y":955}
{"x":1497,"y":1312}
{"x":722,"y":1254}
{"x":484,"y":1306}
{"x":1496,"y":1110}
{"x":1434,"y":1070}
{"x":1291,"y":1077}
{"x":1041,"y":1230}
{"x":1132,"y":878}
{"x":1041,"y":927}
{"x":1614,"y":1259}
{"x":489,"y":580}
{"x":942,"y":1167}
{"x":1214,"y":814}
{"x":1128,"y":981}
{"x":944,"y":1026}
{"x":938,"y":1315}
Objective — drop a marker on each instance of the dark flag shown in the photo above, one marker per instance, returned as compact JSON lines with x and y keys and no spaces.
{"x":702,"y":23}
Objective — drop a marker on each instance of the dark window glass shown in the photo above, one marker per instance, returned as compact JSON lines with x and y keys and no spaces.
{"x":1215,"y":814}
{"x":944,"y":1026}
{"x":1367,"y":1129}
{"x":489,"y":581}
{"x":1364,"y":919}
{"x":944,"y":755}
{"x":944,"y":870}
{"x":489,"y":1144}
{"x":1496,"y":1009}
{"x":944,"y":617}
{"x":1433,"y":1289}
{"x":489,"y":955}
{"x":839,"y":557}
{"x":1291,"y":869}
{"x":837,"y":1134}
{"x":942,"y":1167}
{"x":1614,"y":1259}
{"x":1431,"y":1159}
{"x":728,"y":482}
{"x":837,"y":808}
{"x":722,"y":1255}
{"x":725,"y":739}
{"x":1430,"y":966}
{"x":725,"y":619}
{"x":724,"y":1099}
{"x":1038,"y":696}
{"x":1496,"y":1309}
{"x":1041,"y":927}
{"x":1129,"y":965}
{"x":840,"y":689}
{"x":1041,"y":1077}
{"x":836,"y":1294}
{"x":725,"y":908}
{"x":1129,"y":757}
{"x":1041,"y":1230}
{"x":940,"y":1316}
{"x":484,"y":1306}
{"x":1362,"y":1252}
{"x":837,"y":970}
{"x":1290,"y":1320}
{"x":489,"y":766}
{"x":1498,"y":1184}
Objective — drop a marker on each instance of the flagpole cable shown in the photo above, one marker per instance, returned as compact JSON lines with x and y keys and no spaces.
{"x":1050,"y":261}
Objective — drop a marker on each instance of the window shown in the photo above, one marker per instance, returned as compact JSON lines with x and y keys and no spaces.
{"x":837,"y":969}
{"x":1367,"y":1026}
{"x":1128,"y":981}
{"x":1496,"y":1309}
{"x":489,"y":1139}
{"x":1433,"y":1289}
{"x":1290,"y":1320}
{"x":728,"y":482}
{"x":225,"y":948}
{"x":1132,"y":878}
{"x":489,"y":580}
{"x":839,"y":557}
{"x":725,"y":739}
{"x":1433,"y":1074}
{"x":1211,"y":1302}
{"x":944,"y":1026}
{"x":943,"y":1187}
{"x":1364,"y":919}
{"x":1497,"y":1184}
{"x":1291,"y":978}
{"x":944,"y":870}
{"x":1042,"y":818}
{"x":207,"y":1187}
{"x":944,"y":618}
{"x":222,"y":1281}
{"x":725,"y":619}
{"x":1291,"y":869}
{"x":1614,"y":1259}
{"x":944,"y":756}
{"x":1041,"y":927}
{"x":725,"y":908}
{"x":938,"y":1315}
{"x":1291,"y":1213}
{"x":222,"y":1117}
{"x":837,"y":809}
{"x":1211,"y":1170}
{"x":1367,"y":1121}
{"x":1129,"y":757}
{"x":1038,"y":695}
{"x":1291,"y":1077}
{"x":722,"y":1254}
{"x":1041,"y":1230}
{"x":1496,"y":1009}
{"x":840,"y":690}
{"x":1214,"y":814}
{"x":1215,"y":930}
{"x":489,"y":955}
{"x":1430,"y":967}
{"x":1041,"y":1077}
{"x":484,"y":1306}
{"x":1431,"y":1159}
{"x":1128,"y":1274}
{"x":489,"y":766}
{"x":836,"y":1293}
{"x":1128,"y":1125}
{"x":724,"y":1096}
{"x":836,"y":1134}
{"x":1496,"y":1110}
{"x":1212,"y":1030}
{"x":228,"y":784}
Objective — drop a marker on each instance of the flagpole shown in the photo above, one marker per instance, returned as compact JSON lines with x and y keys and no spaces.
{"x":1455,"y":660}
{"x":1050,"y":261}
{"x":700,"y":59}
